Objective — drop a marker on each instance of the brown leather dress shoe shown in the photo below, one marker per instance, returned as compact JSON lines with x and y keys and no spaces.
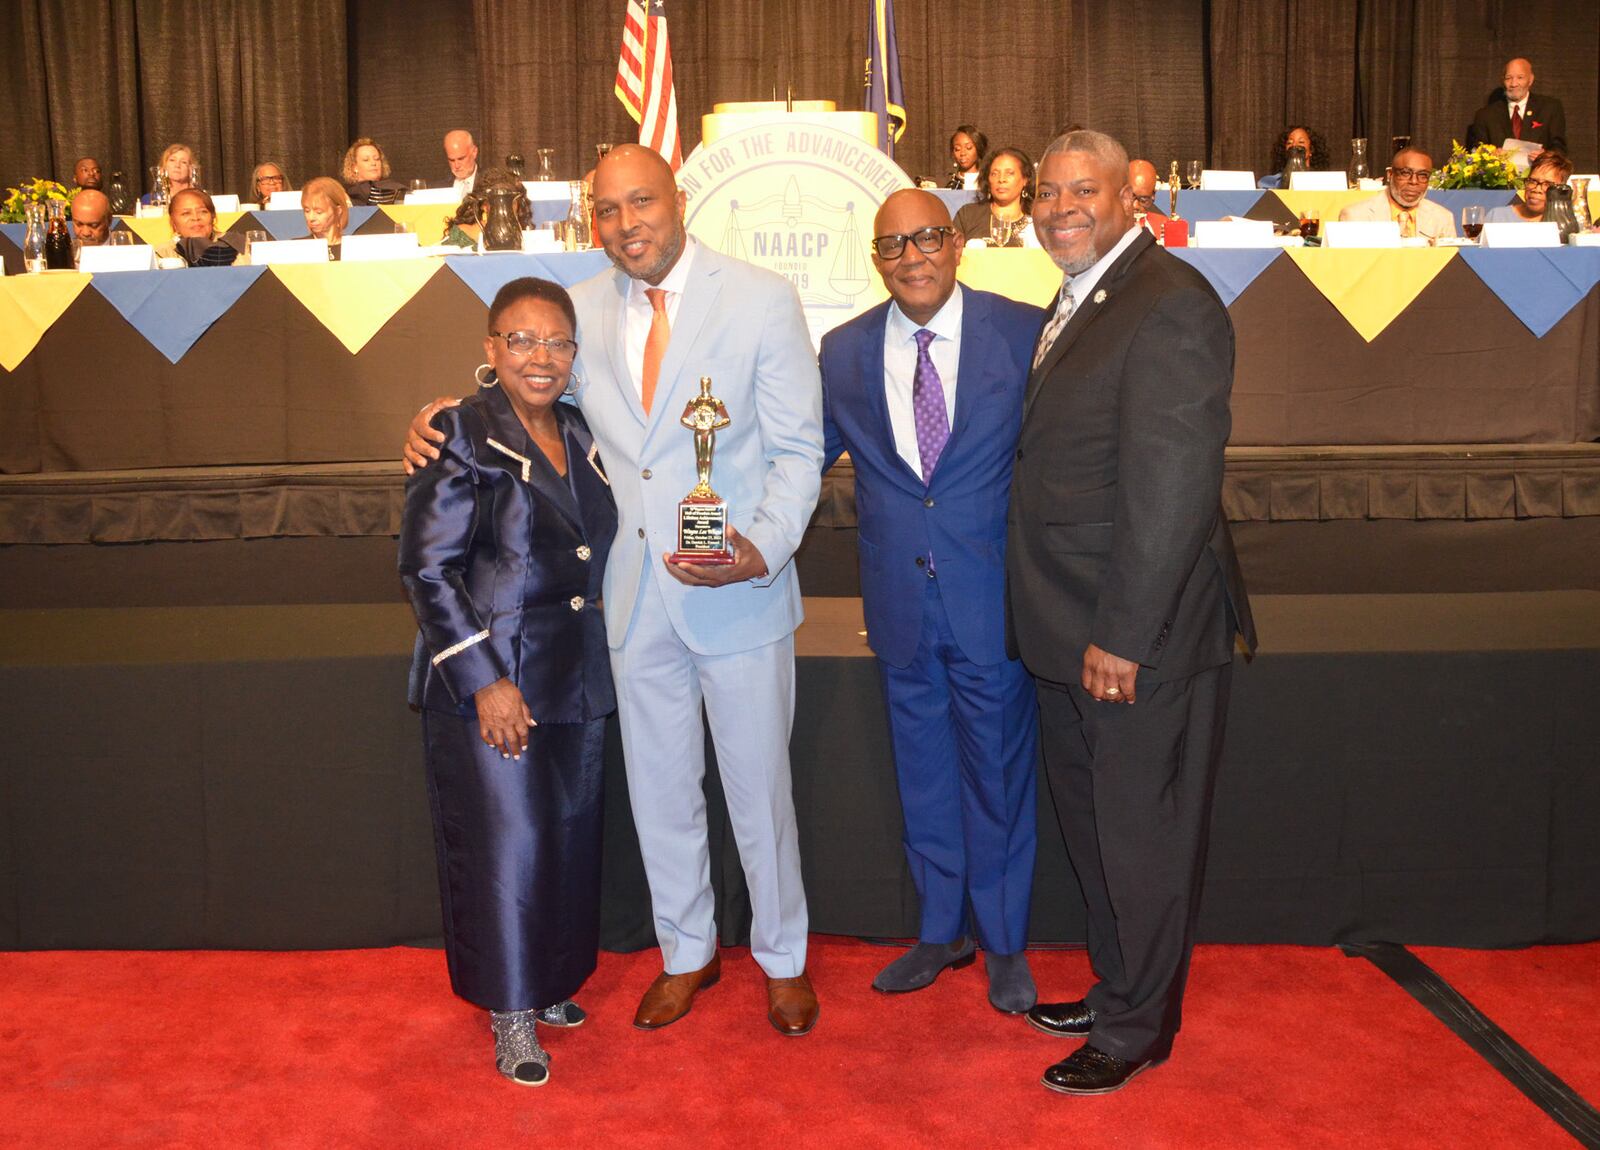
{"x":670,"y":995}
{"x":792,"y":1005}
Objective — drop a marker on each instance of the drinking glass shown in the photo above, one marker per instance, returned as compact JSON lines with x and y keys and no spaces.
{"x":251,"y":238}
{"x":1310,"y":223}
{"x":546,"y":156}
{"x":121,"y":237}
{"x":1195,"y":167}
{"x":1472,"y":221}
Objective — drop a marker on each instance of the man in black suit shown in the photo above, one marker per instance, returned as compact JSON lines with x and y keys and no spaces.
{"x":1125,"y":596}
{"x":1515,"y":113}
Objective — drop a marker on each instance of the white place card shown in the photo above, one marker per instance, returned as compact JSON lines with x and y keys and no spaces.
{"x":1227,"y":180}
{"x":228,"y":203}
{"x":1234,"y":234}
{"x":395,"y":246}
{"x":267,"y":252}
{"x":1520,"y":235}
{"x":116,"y":258}
{"x":284,"y":202}
{"x":1318,"y":182}
{"x":541,"y":241}
{"x":446,"y":197}
{"x":548,"y":190}
{"x":1360,"y":234}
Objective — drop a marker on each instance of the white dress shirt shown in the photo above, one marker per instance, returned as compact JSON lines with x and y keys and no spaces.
{"x":637,"y":312}
{"x":900,"y":369}
{"x":464,"y":185}
{"x":1518,"y":108}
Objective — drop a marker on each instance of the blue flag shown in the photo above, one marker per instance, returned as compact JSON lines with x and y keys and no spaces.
{"x":884,"y":94}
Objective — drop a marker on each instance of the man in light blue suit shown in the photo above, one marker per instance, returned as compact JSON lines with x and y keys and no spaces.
{"x":682,"y":637}
{"x":925,"y":392}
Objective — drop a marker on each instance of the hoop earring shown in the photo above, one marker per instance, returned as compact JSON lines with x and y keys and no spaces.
{"x":478,"y":374}
{"x":573,"y":383}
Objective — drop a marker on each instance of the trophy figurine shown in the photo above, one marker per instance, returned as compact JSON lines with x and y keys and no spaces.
{"x":703,"y":514}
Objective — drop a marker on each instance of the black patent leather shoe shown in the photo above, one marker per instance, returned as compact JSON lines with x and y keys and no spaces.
{"x":1090,"y":1071}
{"x":1063,"y":1019}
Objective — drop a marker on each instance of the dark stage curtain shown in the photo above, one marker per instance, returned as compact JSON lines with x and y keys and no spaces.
{"x":240,"y":81}
{"x":1174,"y":79}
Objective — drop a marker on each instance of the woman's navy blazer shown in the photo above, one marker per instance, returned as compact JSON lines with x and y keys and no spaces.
{"x":502,"y":560}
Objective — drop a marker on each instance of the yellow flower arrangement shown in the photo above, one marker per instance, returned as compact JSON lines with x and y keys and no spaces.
{"x":1485,"y":166}
{"x":14,"y":210}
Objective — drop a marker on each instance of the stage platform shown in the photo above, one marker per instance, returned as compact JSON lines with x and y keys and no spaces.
{"x":1410,"y":768}
{"x":1334,"y":520}
{"x":208,"y":745}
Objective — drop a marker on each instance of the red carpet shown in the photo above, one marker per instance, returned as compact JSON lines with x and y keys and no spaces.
{"x":1545,"y":997}
{"x":1283,"y":1046}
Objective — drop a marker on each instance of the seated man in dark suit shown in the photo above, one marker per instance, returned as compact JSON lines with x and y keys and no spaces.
{"x":1515,"y":113}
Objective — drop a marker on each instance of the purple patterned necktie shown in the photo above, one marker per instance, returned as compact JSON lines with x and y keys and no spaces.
{"x":927,"y":406}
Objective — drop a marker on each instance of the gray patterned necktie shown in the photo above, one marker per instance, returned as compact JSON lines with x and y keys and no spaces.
{"x":1047,"y":338}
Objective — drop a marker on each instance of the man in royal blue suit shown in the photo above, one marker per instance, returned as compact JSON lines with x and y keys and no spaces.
{"x":925,"y":393}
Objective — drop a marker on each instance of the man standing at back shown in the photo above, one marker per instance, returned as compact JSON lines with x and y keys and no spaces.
{"x":1515,"y":113}
{"x":925,"y":393}
{"x":1125,"y":596}
{"x":669,"y":312}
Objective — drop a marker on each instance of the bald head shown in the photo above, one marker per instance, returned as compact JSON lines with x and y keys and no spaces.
{"x":91,"y":217}
{"x":1142,"y":177}
{"x":920,"y":281}
{"x":1518,"y":78}
{"x":461,"y":151}
{"x":638,"y":211}
{"x":910,"y":204}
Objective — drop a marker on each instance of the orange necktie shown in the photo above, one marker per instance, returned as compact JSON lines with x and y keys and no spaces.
{"x":655,"y":344}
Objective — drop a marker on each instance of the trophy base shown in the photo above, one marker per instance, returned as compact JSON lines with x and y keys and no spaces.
{"x":702,"y":533}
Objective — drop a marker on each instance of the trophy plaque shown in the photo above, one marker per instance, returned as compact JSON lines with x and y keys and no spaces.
{"x":703,"y":514}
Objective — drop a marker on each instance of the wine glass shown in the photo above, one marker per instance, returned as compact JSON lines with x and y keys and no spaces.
{"x":1310,"y":223}
{"x":601,"y":151}
{"x":545,"y":157}
{"x":1192,"y":173}
{"x":1472,"y":221}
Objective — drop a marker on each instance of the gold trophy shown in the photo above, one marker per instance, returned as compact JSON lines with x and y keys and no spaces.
{"x":703,"y":514}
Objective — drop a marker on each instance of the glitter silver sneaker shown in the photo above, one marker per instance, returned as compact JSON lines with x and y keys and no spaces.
{"x":517,"y":1053}
{"x":566,"y":1014}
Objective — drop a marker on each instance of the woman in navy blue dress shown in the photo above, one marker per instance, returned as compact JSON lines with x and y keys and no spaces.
{"x":502,"y":546}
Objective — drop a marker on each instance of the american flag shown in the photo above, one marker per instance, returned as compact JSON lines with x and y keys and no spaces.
{"x":644,"y":78}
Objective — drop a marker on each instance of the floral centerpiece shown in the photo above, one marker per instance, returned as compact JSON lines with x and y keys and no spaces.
{"x":1485,"y":166}
{"x":15,"y":208}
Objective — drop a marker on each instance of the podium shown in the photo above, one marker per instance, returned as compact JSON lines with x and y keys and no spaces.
{"x":793,"y":189}
{"x":727,"y":118}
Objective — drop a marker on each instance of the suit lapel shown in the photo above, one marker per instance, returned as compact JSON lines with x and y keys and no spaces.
{"x":509,"y":440}
{"x":976,"y":367}
{"x":699,"y":300}
{"x":588,"y":480}
{"x":1085,"y":313}
{"x":611,"y":334}
{"x":875,"y":393}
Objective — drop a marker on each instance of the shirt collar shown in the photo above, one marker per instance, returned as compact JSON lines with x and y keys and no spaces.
{"x":675,"y":280}
{"x":945,"y":324}
{"x":1082,"y":284}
